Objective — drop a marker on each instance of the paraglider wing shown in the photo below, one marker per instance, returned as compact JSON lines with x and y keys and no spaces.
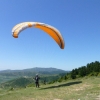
{"x":53,"y":32}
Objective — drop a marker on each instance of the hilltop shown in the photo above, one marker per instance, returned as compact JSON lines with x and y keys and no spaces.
{"x":87,"y":88}
{"x":81,"y":83}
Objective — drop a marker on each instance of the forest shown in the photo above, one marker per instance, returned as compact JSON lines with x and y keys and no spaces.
{"x":91,"y":69}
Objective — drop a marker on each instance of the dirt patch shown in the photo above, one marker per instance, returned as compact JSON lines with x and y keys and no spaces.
{"x":98,"y":97}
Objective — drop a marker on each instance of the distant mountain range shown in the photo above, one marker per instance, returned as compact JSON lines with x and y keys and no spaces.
{"x":6,"y":75}
{"x":32,"y":71}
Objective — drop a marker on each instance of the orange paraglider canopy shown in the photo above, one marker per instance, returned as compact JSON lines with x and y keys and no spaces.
{"x":53,"y":32}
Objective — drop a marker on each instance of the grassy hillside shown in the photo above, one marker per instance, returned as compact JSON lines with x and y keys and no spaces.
{"x":87,"y":88}
{"x":17,"y":83}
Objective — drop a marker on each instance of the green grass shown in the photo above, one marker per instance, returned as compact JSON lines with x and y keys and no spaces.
{"x":79,"y":89}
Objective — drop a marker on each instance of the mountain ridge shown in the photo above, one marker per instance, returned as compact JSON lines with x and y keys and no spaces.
{"x":33,"y":69}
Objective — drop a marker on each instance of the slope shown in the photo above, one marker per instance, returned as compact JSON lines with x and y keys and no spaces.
{"x":78,"y":89}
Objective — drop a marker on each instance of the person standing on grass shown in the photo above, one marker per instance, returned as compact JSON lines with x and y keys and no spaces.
{"x":37,"y":80}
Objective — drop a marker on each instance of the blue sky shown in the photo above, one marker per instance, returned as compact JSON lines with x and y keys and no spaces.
{"x":77,"y":20}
